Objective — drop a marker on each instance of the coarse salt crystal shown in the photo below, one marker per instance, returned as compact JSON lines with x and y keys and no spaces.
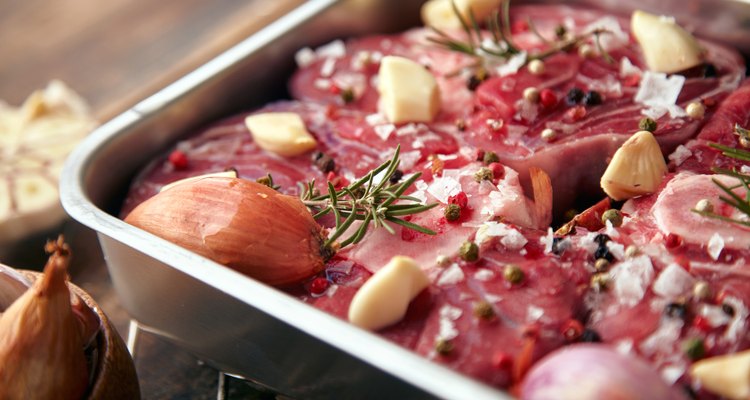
{"x":448,"y":314}
{"x":331,"y":290}
{"x":673,"y":282}
{"x":512,"y":65}
{"x":714,"y":315}
{"x":547,"y":241}
{"x":384,"y":131}
{"x":451,"y":275}
{"x":322,"y":84}
{"x":511,"y":238}
{"x":444,"y":187}
{"x":304,"y":57}
{"x":329,"y":65}
{"x":672,"y":373}
{"x":627,"y":68}
{"x":334,"y":49}
{"x":610,"y":230}
{"x":624,"y":346}
{"x":715,"y":246}
{"x":484,"y":274}
{"x":615,"y":36}
{"x":631,"y":278}
{"x":664,"y":337}
{"x":493,"y":298}
{"x":680,"y":154}
{"x":737,"y":326}
{"x":534,"y":313}
{"x":375,"y":119}
{"x":617,"y":249}
{"x":659,"y":93}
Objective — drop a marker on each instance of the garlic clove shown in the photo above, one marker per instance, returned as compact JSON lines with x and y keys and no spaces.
{"x":244,"y":225}
{"x":727,"y":375}
{"x":637,"y":168}
{"x":667,"y":47}
{"x":408,"y":91}
{"x":440,"y":14}
{"x":384,"y":298}
{"x":41,"y":347}
{"x":282,"y":133}
{"x":230,"y":173}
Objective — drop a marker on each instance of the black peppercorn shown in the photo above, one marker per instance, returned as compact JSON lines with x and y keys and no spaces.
{"x":592,"y":98}
{"x":574,"y":96}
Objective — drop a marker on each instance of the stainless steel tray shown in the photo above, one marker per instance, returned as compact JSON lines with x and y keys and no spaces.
{"x":235,"y":323}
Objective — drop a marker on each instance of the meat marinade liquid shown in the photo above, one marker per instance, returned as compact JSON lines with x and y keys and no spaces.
{"x":669,"y":275}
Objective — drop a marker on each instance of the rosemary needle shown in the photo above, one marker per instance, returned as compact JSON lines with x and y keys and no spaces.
{"x":370,"y":201}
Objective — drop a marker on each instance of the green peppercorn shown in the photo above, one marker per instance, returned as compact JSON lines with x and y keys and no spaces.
{"x":613,"y":216}
{"x":490,"y":157}
{"x":484,"y":174}
{"x":647,"y":124}
{"x":443,"y":346}
{"x":483,"y":310}
{"x":560,"y":31}
{"x":694,"y":348}
{"x":513,"y":274}
{"x":452,"y":212}
{"x":469,"y":251}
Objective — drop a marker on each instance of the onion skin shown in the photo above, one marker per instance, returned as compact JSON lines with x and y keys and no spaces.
{"x":42,"y":341}
{"x":244,"y":225}
{"x":593,"y":372}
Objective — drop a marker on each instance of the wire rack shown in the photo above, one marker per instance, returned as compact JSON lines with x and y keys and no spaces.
{"x":169,"y":372}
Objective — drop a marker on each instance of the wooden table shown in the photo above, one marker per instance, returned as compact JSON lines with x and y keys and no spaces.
{"x":115,"y":53}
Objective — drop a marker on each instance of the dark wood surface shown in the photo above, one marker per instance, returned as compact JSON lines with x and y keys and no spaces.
{"x":114,"y":53}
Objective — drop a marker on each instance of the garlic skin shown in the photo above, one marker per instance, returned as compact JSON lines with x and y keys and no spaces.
{"x":41,"y":343}
{"x":244,"y":225}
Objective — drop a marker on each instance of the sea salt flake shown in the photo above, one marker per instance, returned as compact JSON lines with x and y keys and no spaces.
{"x":610,"y":230}
{"x":322,"y":84}
{"x":384,"y":131}
{"x":714,"y":315}
{"x":448,"y":314}
{"x":451,"y":275}
{"x":334,"y":49}
{"x":548,"y":241}
{"x":627,"y":68}
{"x":664,"y":337}
{"x":511,"y":238}
{"x":304,"y":57}
{"x":484,"y":274}
{"x":331,"y":290}
{"x":492,"y":298}
{"x":680,"y":154}
{"x":615,"y":36}
{"x":672,"y":373}
{"x":512,"y":65}
{"x":631,"y":278}
{"x":673,"y":282}
{"x":444,"y":187}
{"x":534,"y":313}
{"x":715,"y":246}
{"x":617,"y":249}
{"x":659,"y":93}
{"x":329,"y":65}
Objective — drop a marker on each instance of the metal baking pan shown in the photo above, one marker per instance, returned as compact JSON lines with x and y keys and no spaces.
{"x":233,"y":322}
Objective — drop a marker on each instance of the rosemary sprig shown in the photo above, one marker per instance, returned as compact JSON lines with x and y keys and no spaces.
{"x":731,"y":198}
{"x":372,"y":202}
{"x":503,"y":46}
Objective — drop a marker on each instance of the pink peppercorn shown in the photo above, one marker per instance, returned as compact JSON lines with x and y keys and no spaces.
{"x":178,"y":159}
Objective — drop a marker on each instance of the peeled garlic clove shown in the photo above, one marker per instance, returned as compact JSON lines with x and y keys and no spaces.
{"x":441,"y":15}
{"x":244,"y":225}
{"x":41,"y":348}
{"x":408,"y":91}
{"x":637,"y":168}
{"x":384,"y":298}
{"x":667,"y":47}
{"x":727,"y":375}
{"x":283,"y":133}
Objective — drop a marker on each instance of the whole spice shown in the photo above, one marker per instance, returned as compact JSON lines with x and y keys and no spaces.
{"x":452,"y":212}
{"x":469,"y":251}
{"x":483,"y":310}
{"x":647,"y":124}
{"x":694,"y":348}
{"x":513,"y":274}
{"x":612,"y":216}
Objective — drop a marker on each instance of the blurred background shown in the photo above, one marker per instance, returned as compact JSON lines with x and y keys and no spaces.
{"x":115,"y":53}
